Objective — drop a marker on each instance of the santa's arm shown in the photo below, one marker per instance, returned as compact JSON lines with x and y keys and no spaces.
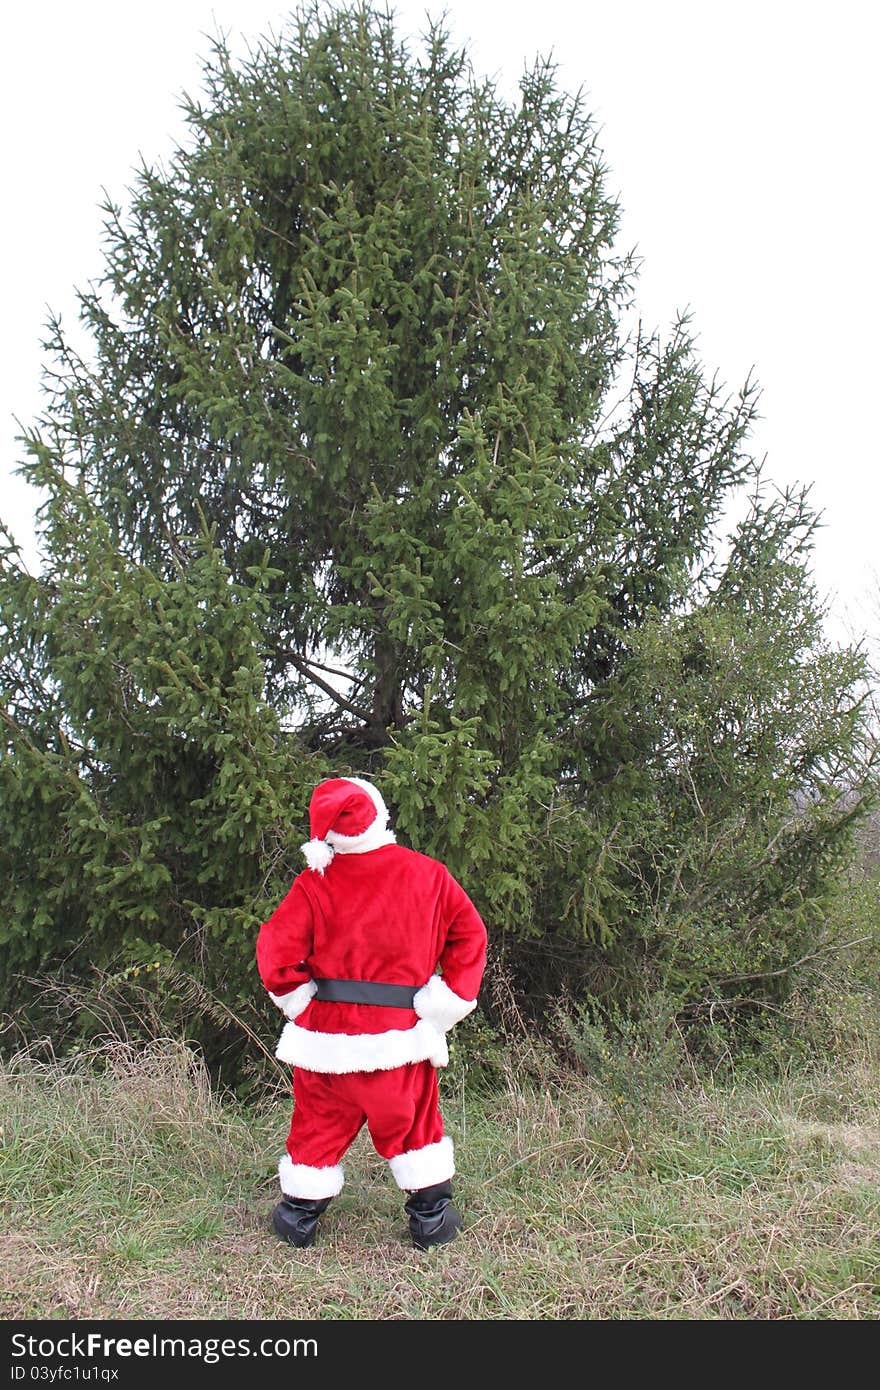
{"x":283,"y":947}
{"x":445,"y":1000}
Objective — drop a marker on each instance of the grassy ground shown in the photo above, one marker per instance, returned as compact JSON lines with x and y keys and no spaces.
{"x":132,"y":1192}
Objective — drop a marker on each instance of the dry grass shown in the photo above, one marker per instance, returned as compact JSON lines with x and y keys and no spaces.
{"x":129,"y":1191}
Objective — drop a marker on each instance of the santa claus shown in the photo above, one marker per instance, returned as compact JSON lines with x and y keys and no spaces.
{"x":349,"y":956}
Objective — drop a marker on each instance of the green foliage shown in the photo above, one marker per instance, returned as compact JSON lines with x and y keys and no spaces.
{"x":828,"y":1009}
{"x":363,"y":477}
{"x":633,"y":1059}
{"x":147,"y":795}
{"x":725,"y":765}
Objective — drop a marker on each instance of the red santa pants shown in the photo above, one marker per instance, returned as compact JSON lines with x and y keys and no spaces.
{"x":400,"y":1108}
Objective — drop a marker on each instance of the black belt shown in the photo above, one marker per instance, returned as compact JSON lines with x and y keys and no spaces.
{"x":365,"y":992}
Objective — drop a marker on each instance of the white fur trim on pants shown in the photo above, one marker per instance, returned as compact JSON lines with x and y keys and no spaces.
{"x":346,"y":1052}
{"x":299,"y":1180}
{"x":437,"y":1003}
{"x":424,"y":1167}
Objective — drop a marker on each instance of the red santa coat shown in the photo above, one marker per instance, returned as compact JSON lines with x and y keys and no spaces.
{"x":390,"y":916}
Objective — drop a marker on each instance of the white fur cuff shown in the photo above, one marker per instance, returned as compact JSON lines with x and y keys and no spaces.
{"x":437,"y":1003}
{"x":299,"y":1180}
{"x":424,"y":1167}
{"x":292,"y":1004}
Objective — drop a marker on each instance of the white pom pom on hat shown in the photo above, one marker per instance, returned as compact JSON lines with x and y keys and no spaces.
{"x":346,"y":816}
{"x":318,"y":854}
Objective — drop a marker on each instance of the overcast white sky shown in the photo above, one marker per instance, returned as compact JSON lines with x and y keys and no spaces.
{"x":741,"y":138}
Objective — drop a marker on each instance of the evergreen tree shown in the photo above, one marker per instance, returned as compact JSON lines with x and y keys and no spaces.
{"x":364,"y":477}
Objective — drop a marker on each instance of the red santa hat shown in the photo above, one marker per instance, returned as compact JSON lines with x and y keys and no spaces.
{"x":346,"y":816}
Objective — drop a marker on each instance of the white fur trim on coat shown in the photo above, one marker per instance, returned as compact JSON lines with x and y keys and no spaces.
{"x":437,"y":1003}
{"x":299,"y":1180}
{"x":423,"y":1167}
{"x":345,"y":1052}
{"x":292,"y":1004}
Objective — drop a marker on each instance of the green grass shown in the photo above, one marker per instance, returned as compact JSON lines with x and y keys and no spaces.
{"x":129,"y":1190}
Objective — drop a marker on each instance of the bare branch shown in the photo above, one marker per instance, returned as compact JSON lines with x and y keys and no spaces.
{"x":305,"y":669}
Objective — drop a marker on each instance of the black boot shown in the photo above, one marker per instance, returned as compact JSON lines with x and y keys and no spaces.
{"x":295,"y":1219}
{"x":433,"y":1220}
